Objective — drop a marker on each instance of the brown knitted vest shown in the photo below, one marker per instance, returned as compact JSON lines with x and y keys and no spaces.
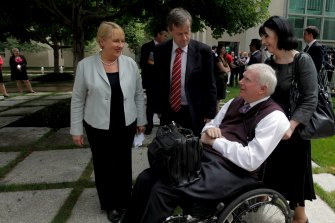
{"x":240,"y":127}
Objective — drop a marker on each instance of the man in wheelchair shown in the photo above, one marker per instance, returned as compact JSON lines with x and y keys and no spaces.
{"x":236,"y":143}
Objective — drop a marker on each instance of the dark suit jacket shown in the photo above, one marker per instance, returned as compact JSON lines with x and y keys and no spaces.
{"x":255,"y":58}
{"x":146,"y":68}
{"x":200,"y":86}
{"x":317,"y":53}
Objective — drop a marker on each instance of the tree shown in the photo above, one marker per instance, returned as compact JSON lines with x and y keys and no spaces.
{"x":80,"y":18}
{"x":31,"y":23}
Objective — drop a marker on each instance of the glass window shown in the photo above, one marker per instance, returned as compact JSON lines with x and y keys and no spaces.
{"x":314,"y":22}
{"x":314,"y":7}
{"x":296,"y":6}
{"x":297,"y":23}
{"x":330,"y":7}
{"x":328,"y":29}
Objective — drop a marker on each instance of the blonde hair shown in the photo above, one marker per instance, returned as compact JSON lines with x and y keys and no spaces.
{"x":15,"y":50}
{"x":108,"y":29}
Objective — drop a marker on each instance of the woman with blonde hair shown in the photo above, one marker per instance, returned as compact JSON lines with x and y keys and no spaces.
{"x":108,"y":102}
{"x":18,"y":68}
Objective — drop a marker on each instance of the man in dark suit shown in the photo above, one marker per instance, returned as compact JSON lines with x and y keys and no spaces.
{"x":313,"y":47}
{"x":147,"y":71}
{"x":197,"y":86}
{"x":256,"y":55}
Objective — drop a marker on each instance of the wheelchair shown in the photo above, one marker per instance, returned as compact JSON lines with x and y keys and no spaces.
{"x":261,"y":205}
{"x":254,"y":203}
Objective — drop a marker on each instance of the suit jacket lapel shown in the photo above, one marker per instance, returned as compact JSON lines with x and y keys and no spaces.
{"x":191,"y":56}
{"x":100,"y":69}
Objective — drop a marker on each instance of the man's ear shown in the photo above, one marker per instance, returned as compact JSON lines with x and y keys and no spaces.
{"x":263,"y":89}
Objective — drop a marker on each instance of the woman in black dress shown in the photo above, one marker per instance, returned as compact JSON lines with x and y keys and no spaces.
{"x":221,"y":69}
{"x":18,"y":69}
{"x":289,"y":168}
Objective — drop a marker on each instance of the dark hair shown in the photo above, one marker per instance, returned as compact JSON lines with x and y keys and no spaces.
{"x":214,"y":47}
{"x":220,"y":46}
{"x":284,"y":31}
{"x":256,"y":43}
{"x":314,"y":30}
{"x":159,"y":29}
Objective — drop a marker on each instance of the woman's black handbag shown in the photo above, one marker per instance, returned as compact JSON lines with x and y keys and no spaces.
{"x":322,"y":123}
{"x":175,"y":155}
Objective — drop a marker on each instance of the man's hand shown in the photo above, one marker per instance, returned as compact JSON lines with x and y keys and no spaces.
{"x":210,"y":135}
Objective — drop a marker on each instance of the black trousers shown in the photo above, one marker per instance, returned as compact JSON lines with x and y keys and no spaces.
{"x":153,"y":200}
{"x":150,"y":106}
{"x":182,"y":117}
{"x":112,"y":164}
{"x":162,"y":202}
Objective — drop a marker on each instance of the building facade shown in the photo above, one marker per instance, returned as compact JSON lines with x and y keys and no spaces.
{"x":300,"y":13}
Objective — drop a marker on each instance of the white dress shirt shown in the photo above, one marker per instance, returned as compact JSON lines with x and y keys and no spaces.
{"x":268,"y":133}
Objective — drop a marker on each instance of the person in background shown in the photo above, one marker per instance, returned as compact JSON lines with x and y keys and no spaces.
{"x":147,"y":71}
{"x":330,"y":66}
{"x":221,"y":70}
{"x":235,"y":69}
{"x":18,"y":69}
{"x":2,"y":85}
{"x":256,"y":55}
{"x":243,"y":62}
{"x":293,"y":155}
{"x":235,"y":141}
{"x":265,"y":53}
{"x":214,"y":50}
{"x":229,"y":59}
{"x":313,"y":47}
{"x":108,"y":101}
{"x":186,"y":94}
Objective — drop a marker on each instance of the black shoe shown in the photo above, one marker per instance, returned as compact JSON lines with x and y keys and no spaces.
{"x":148,"y":130}
{"x":116,"y":216}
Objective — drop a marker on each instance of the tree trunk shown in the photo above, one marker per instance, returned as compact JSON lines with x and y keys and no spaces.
{"x":56,"y":58}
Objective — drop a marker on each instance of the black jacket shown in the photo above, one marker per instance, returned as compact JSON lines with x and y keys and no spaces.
{"x":200,"y":86}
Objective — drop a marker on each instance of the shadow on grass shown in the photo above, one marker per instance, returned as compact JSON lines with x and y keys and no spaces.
{"x":52,"y":77}
{"x":53,"y":116}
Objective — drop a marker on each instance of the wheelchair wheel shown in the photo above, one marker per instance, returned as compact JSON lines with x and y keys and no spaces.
{"x":257,"y":206}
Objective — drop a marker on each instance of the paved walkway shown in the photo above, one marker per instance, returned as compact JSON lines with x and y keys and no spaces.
{"x":44,"y":167}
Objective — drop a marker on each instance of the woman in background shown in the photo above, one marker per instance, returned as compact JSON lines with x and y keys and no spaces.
{"x":2,"y":85}
{"x":221,"y":70}
{"x":18,"y":68}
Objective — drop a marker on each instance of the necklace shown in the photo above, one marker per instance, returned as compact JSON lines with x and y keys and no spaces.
{"x":107,"y":64}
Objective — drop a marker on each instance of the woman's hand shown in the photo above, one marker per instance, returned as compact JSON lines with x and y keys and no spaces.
{"x":78,"y":140}
{"x":140,"y":129}
{"x":290,"y":131}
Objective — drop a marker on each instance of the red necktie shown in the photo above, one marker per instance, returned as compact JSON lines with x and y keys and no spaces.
{"x":175,"y":96}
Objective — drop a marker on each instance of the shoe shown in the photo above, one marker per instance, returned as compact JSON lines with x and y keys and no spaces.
{"x":32,"y":92}
{"x":148,"y":130}
{"x":116,"y":216}
{"x":6,"y":96}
